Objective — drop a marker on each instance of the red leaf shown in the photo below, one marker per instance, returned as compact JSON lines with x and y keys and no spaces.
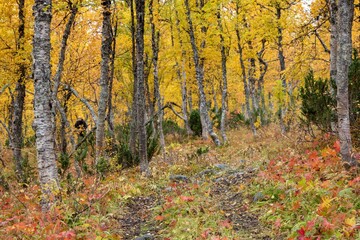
{"x":301,"y":232}
{"x":278,"y":223}
{"x":226,"y":223}
{"x":310,"y":224}
{"x":354,"y":181}
{"x":327,"y":225}
{"x":337,"y":146}
{"x":187,"y":199}
{"x":205,"y":234}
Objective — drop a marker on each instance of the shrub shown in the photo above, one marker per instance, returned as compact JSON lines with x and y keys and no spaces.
{"x":171,"y":127}
{"x":317,"y":102}
{"x":124,"y":156}
{"x":236,"y":119}
{"x":195,"y":122}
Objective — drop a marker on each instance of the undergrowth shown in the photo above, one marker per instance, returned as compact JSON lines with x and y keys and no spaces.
{"x":301,"y":191}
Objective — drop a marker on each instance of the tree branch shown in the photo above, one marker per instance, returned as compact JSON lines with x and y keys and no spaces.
{"x":83,"y":100}
{"x":322,"y":42}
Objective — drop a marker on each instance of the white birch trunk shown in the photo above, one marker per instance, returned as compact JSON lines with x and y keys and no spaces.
{"x":44,"y":124}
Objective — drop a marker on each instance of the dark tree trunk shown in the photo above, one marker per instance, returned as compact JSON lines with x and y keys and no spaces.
{"x":134,"y":131}
{"x":282,"y":103}
{"x":224,"y":94}
{"x":204,"y":114}
{"x":19,"y":98}
{"x":141,"y":111}
{"x":333,"y":51}
{"x":57,"y":80}
{"x":110,"y":111}
{"x":260,"y":92}
{"x":106,"y":50}
{"x":44,"y":123}
{"x":155,"y":38}
{"x":248,"y":113}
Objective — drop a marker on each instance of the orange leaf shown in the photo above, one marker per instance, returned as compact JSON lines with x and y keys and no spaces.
{"x":187,"y":199}
{"x":159,"y":218}
{"x":337,"y":146}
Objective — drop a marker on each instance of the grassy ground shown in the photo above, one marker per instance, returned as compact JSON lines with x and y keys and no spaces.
{"x":265,"y":187}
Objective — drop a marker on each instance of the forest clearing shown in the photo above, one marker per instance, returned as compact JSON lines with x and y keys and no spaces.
{"x":180,"y":119}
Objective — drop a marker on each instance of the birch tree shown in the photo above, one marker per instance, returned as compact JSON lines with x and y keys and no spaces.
{"x":44,"y":124}
{"x":104,"y":77}
{"x":206,"y":123}
{"x":345,"y":15}
{"x":224,"y":94}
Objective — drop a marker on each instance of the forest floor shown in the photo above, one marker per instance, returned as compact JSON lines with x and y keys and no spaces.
{"x":270,"y":186}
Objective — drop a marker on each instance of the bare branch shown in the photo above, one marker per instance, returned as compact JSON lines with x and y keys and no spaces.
{"x":83,"y":100}
{"x":326,"y":49}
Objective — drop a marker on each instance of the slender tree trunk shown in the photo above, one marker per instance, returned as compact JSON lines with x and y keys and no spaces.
{"x":110,"y":111}
{"x":190,"y":101}
{"x":260,"y":93}
{"x":204,"y":114}
{"x":104,"y":78}
{"x":155,"y":39}
{"x":141,"y":111}
{"x":282,"y":103}
{"x":44,"y":123}
{"x":243,"y":73}
{"x":57,"y":80}
{"x":19,"y":98}
{"x":343,"y":61}
{"x":182,"y":76}
{"x":252,"y":84}
{"x":224,"y":94}
{"x":134,"y":131}
{"x":333,"y":51}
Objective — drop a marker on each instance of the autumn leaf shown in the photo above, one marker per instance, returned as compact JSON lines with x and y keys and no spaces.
{"x":277,"y":223}
{"x":327,"y":226}
{"x":337,"y":146}
{"x":226,"y":223}
{"x":159,"y":218}
{"x":350,"y":221}
{"x":187,"y":199}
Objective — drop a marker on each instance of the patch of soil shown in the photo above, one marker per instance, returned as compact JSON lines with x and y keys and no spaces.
{"x":231,"y":202}
{"x":136,"y":217}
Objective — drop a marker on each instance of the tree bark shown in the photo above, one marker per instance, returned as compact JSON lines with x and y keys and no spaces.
{"x":343,"y":60}
{"x":332,"y":5}
{"x":19,"y":98}
{"x":224,"y":94}
{"x":110,"y":111}
{"x":57,"y":80}
{"x":44,"y":124}
{"x":282,"y":102}
{"x":155,"y":38}
{"x":249,"y":113}
{"x":141,"y":111}
{"x":104,"y":78}
{"x":204,"y":114}
{"x":134,"y":131}
{"x":260,"y":92}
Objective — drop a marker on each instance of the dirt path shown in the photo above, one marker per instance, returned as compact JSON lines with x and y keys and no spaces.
{"x":227,"y":195}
